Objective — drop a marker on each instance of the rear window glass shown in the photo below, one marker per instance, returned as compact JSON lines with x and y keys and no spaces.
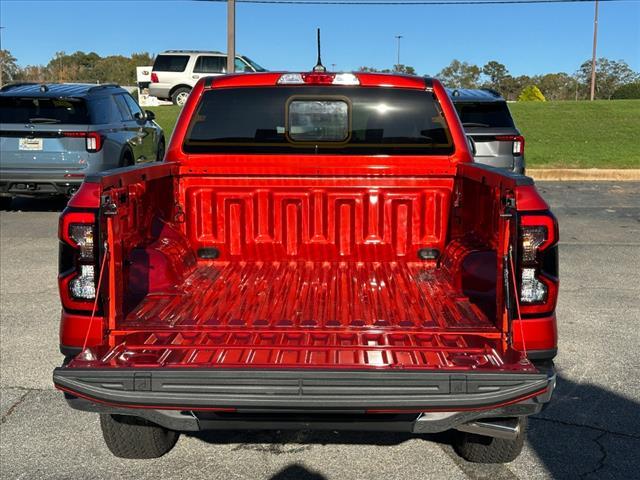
{"x":170,"y":63}
{"x":43,"y":110}
{"x":305,"y":119}
{"x":484,"y":114}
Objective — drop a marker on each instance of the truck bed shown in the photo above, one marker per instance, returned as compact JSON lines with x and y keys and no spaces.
{"x":309,"y":314}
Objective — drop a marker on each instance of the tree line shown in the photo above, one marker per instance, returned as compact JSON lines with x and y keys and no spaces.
{"x":614,"y":78}
{"x":76,"y":67}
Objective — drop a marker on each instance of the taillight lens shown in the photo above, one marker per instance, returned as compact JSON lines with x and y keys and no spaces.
{"x":93,"y":140}
{"x":154,"y":77}
{"x":517,"y":143}
{"x":538,"y":263}
{"x":78,"y":260}
{"x":318,"y":78}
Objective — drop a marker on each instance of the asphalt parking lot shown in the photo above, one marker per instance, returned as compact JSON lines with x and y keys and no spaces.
{"x":591,"y":430}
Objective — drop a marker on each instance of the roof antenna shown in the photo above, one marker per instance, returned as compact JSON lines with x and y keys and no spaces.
{"x":319,"y":67}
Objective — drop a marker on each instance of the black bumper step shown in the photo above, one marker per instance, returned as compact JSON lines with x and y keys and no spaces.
{"x":311,"y":390}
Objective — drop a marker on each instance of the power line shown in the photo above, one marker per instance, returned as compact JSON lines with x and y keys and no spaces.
{"x":409,"y":2}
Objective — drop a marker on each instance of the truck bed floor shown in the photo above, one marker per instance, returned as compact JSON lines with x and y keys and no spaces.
{"x":306,"y":314}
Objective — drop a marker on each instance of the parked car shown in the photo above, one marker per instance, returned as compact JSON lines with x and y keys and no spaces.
{"x":175,"y":72}
{"x":317,"y":251}
{"x":53,"y":135}
{"x":486,"y":118}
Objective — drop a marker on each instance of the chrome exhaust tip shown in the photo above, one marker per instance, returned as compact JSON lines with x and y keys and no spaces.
{"x":507,"y":429}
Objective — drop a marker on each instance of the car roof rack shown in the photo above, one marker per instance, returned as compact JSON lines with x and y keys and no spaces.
{"x":103,"y":85}
{"x":493,"y":92}
{"x":9,"y":86}
{"x":192,"y":51}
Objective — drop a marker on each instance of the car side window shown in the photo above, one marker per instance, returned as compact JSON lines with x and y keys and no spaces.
{"x":135,"y":109}
{"x":210,"y":64}
{"x":125,"y":113}
{"x":103,"y":110}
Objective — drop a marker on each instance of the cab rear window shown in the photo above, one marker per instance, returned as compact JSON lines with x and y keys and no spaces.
{"x":170,"y":63}
{"x":43,"y":110}
{"x":305,"y":119}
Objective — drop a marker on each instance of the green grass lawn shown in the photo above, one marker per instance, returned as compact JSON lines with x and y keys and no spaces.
{"x":600,"y":134}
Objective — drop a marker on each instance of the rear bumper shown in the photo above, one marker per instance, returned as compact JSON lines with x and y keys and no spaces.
{"x":33,"y":185}
{"x":450,"y":398}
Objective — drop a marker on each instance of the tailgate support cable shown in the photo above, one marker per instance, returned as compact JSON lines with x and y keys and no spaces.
{"x":515,"y":296}
{"x":510,"y":271}
{"x":95,"y":303}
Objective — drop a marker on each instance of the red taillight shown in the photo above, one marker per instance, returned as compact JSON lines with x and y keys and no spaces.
{"x":538,"y":263}
{"x":93,"y":140}
{"x":78,"y":261}
{"x":518,"y":143}
{"x":154,"y":77}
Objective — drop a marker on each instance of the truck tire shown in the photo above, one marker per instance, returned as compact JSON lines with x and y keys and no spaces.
{"x":133,"y":437}
{"x":179,"y":97}
{"x":482,"y":449}
{"x":5,"y":203}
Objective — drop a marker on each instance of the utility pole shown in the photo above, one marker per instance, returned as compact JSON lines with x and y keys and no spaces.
{"x":398,"y":37}
{"x":593,"y":59}
{"x":231,"y":36}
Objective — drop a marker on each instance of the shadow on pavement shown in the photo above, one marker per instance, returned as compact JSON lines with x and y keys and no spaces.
{"x":297,"y":472}
{"x":45,"y":204}
{"x":587,"y":432}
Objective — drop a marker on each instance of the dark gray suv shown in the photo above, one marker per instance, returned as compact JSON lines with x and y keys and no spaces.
{"x":486,"y":118}
{"x":53,"y":135}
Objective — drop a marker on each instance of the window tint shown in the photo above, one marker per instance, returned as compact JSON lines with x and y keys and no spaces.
{"x":382,"y":121}
{"x":484,"y":114}
{"x":43,"y":110}
{"x":125,"y":113}
{"x":103,"y":110}
{"x":170,"y":63}
{"x":209,"y":64}
{"x":135,"y":109}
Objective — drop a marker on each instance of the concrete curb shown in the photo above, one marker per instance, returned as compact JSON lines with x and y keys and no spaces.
{"x":585,"y":174}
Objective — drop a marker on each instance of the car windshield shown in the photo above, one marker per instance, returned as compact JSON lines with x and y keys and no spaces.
{"x":485,"y":114}
{"x":255,"y":66}
{"x":306,"y":119}
{"x":43,"y":110}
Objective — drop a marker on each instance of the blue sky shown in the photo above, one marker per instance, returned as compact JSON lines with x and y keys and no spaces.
{"x":528,"y":39}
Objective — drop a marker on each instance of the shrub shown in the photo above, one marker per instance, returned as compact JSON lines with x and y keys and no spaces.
{"x":531,"y":94}
{"x":627,"y":92}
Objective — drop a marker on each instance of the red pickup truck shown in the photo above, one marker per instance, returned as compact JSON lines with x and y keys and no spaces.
{"x":317,"y":251}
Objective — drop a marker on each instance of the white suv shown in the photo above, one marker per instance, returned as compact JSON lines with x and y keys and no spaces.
{"x":175,"y":72}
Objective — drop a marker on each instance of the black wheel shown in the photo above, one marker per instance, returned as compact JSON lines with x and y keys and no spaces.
{"x":482,"y":449}
{"x":160,"y":151}
{"x":5,"y":203}
{"x":133,"y":437}
{"x":179,"y":97}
